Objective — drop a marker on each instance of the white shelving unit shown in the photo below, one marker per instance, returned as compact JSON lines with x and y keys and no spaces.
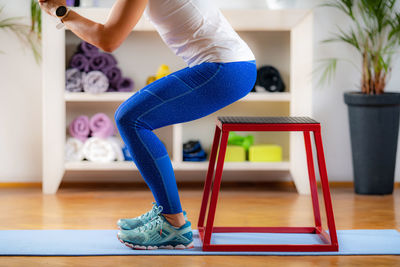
{"x":282,"y":38}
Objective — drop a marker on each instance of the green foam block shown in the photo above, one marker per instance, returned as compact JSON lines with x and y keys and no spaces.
{"x":265,"y":153}
{"x":234,"y":154}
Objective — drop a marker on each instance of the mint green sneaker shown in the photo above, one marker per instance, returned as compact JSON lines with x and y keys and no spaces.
{"x":158,"y":233}
{"x":132,"y":223}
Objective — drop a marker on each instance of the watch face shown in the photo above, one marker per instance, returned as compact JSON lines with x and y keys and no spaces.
{"x":61,"y":10}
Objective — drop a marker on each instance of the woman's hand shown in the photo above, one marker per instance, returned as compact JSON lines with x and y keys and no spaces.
{"x":50,"y":6}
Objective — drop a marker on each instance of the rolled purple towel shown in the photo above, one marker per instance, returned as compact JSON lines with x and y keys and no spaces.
{"x":80,"y":62}
{"x":95,"y":82}
{"x":101,"y":126}
{"x":80,"y":128}
{"x":88,"y":50}
{"x":125,"y":85}
{"x":111,"y":60}
{"x":114,"y":75}
{"x":98,"y":62}
{"x":73,"y":78}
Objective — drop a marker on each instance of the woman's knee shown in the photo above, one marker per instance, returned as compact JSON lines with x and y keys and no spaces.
{"x":129,"y":115}
{"x":125,"y":115}
{"x":119,"y":114}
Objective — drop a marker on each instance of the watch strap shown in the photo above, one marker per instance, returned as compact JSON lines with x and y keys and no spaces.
{"x":61,"y":24}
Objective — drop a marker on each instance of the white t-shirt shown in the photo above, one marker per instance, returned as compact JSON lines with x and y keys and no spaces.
{"x":197,"y":31}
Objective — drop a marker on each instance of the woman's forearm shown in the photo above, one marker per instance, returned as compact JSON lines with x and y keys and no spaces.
{"x":88,"y":30}
{"x":123,"y":16}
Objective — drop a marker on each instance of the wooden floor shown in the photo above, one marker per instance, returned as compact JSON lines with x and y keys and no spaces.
{"x":100,"y":206}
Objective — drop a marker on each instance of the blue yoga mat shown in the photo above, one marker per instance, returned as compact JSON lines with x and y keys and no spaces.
{"x":105,"y":242}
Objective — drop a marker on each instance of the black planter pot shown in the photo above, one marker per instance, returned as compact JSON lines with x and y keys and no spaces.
{"x":374,"y":127}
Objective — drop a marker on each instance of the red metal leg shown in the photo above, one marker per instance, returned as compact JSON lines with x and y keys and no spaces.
{"x":210,"y":173}
{"x":215,"y":190}
{"x":313,"y":182}
{"x":325,"y":187}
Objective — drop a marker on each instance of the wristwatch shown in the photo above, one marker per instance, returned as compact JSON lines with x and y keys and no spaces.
{"x":61,"y":12}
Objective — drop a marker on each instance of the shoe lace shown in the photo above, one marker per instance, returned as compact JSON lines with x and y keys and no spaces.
{"x":152,"y":224}
{"x":155,"y":210}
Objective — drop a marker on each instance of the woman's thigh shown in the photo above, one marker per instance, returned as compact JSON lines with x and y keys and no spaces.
{"x":191,"y":93}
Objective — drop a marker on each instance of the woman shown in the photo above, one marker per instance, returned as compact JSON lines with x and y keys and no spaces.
{"x":221,"y":70}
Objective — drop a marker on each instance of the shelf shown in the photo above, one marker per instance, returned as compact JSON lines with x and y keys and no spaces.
{"x":271,"y":97}
{"x":240,"y":19}
{"x":103,"y":97}
{"x":122,"y":96}
{"x":236,"y":166}
{"x":95,"y":166}
{"x":195,"y":166}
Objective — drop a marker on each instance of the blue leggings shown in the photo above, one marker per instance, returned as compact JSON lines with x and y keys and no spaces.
{"x":188,"y":94}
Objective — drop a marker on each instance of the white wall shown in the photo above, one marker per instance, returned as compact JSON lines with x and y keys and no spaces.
{"x":20,"y":96}
{"x":20,"y":104}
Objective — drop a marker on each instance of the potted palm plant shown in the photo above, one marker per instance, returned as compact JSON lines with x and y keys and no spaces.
{"x":374,"y":32}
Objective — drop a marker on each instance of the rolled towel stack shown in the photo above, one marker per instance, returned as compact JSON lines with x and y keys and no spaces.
{"x":93,"y":139}
{"x":95,"y":149}
{"x":99,"y":125}
{"x":99,"y":72}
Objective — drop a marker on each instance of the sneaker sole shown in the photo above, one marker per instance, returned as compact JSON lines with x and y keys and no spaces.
{"x":138,"y":247}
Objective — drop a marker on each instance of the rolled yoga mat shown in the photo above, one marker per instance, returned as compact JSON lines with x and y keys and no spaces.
{"x":73,"y":79}
{"x":80,"y":128}
{"x":101,"y":126}
{"x":105,"y":242}
{"x":95,"y":82}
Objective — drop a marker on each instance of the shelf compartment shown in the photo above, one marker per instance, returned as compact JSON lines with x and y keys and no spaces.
{"x":195,"y":166}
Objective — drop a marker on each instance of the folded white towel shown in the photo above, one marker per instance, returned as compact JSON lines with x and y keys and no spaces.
{"x":97,"y":149}
{"x":117,"y":145}
{"x":73,"y":149}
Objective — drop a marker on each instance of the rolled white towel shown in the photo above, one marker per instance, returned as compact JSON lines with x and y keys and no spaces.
{"x":117,"y":145}
{"x":73,"y":149}
{"x":95,"y":82}
{"x":97,"y":149}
